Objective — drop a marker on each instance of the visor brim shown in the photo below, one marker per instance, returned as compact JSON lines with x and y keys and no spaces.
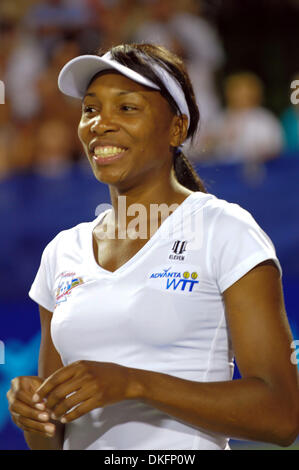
{"x":76,"y":75}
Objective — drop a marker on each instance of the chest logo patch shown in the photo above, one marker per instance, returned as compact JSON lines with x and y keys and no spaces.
{"x":179,"y":247}
{"x":184,"y":281}
{"x":67,"y":283}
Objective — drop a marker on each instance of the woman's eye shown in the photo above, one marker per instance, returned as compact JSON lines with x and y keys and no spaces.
{"x":88,"y":109}
{"x":91,"y":110}
{"x":126,"y":107}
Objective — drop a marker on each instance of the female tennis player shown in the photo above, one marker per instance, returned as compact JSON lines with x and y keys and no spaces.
{"x":140,"y":327}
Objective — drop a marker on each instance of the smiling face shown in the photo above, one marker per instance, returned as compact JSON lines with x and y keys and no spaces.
{"x":127,"y":131}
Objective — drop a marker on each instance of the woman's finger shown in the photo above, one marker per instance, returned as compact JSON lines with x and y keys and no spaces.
{"x":79,"y":411}
{"x":22,"y":396}
{"x":79,"y":396}
{"x":60,"y":393}
{"x":22,"y":409}
{"x":33,"y":426}
{"x":43,"y":434}
{"x":22,"y":389}
{"x":59,"y":377}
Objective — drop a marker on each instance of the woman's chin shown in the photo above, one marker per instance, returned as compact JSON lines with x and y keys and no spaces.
{"x":108,"y":176}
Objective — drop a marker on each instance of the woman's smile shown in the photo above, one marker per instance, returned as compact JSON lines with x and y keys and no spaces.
{"x":106,"y":155}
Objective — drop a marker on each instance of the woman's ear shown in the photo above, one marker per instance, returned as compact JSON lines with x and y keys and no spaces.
{"x":179,"y":130}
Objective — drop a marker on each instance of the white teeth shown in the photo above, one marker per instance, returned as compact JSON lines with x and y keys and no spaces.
{"x":107,"y":151}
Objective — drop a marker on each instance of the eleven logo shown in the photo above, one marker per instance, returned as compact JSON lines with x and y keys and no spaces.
{"x":66,"y":285}
{"x":176,"y":280}
{"x":179,"y":247}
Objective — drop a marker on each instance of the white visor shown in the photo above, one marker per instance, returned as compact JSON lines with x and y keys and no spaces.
{"x":76,"y":75}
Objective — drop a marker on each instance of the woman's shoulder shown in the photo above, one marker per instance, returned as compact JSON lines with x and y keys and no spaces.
{"x":221,"y":209}
{"x":70,"y":238}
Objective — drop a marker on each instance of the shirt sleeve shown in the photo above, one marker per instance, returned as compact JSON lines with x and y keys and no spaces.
{"x":41,"y":290}
{"x":239,"y":244}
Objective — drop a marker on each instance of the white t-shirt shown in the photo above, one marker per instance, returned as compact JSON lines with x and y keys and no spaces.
{"x":161,"y":311}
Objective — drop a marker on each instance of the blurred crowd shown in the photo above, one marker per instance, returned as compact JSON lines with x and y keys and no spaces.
{"x":38,"y":125}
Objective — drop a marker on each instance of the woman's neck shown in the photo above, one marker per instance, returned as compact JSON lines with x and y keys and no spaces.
{"x":145,"y":198}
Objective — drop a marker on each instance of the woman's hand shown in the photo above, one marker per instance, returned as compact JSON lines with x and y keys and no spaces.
{"x":85,"y":385}
{"x":28,"y":415}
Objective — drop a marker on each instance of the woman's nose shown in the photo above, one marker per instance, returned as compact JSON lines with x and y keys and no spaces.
{"x":102,"y":124}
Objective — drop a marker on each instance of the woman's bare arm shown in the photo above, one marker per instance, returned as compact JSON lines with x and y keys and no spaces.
{"x":49,"y":362}
{"x":262,"y":405}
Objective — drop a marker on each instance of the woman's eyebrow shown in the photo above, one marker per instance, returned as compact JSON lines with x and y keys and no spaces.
{"x":120,"y":93}
{"x":127,"y":92}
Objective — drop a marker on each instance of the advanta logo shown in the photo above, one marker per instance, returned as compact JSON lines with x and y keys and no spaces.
{"x":183,"y":283}
{"x":177,"y":280}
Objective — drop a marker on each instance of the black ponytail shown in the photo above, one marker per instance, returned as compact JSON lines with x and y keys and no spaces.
{"x":185,"y":173}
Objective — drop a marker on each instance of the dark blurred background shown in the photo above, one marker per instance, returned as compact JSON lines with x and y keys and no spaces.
{"x":242,"y":58}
